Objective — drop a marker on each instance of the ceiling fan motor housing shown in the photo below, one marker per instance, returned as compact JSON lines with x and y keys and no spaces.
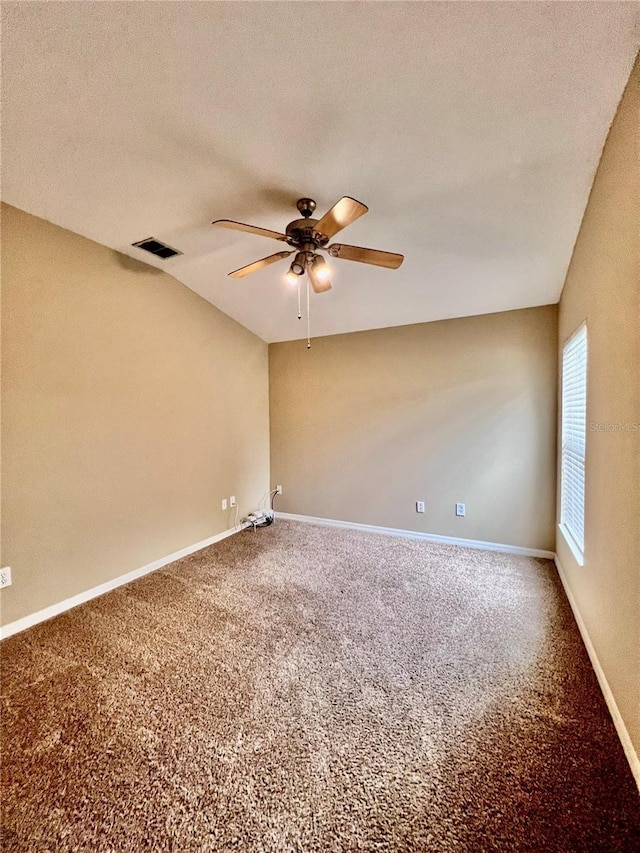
{"x":302,"y":233}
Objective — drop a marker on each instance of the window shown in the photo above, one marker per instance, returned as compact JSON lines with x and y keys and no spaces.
{"x":574,"y":433}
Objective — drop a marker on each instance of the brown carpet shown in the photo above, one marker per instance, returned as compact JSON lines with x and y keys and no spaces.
{"x":311,"y":689}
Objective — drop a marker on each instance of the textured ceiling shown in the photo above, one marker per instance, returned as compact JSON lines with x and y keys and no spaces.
{"x":471,"y":130}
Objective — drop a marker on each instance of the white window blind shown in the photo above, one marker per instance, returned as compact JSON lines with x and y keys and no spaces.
{"x":574,"y":433}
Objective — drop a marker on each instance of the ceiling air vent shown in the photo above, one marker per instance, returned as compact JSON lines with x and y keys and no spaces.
{"x":161,"y":250}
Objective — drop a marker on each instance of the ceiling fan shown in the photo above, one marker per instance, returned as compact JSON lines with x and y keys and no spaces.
{"x":308,"y":237}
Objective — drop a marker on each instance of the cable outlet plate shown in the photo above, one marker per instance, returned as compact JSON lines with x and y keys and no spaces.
{"x":232,"y":500}
{"x":278,"y":490}
{"x":5,"y":577}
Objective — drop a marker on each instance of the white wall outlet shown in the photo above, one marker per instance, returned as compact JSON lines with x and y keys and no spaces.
{"x":461,"y":510}
{"x":232,"y":500}
{"x":224,"y":503}
{"x":5,"y":577}
{"x":278,"y":490}
{"x":419,"y":506}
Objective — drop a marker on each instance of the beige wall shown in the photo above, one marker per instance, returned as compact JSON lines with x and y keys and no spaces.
{"x":603,"y":287}
{"x":131,"y":406}
{"x":365,"y":424}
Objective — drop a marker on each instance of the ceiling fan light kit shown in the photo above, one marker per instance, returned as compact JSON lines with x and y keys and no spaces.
{"x":320,"y":268}
{"x":299,"y":263}
{"x":292,"y":276}
{"x":307,"y":237}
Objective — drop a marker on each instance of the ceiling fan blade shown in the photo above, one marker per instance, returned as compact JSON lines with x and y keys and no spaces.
{"x":366,"y":256}
{"x":343,"y":213}
{"x":252,"y":229}
{"x":258,"y":265}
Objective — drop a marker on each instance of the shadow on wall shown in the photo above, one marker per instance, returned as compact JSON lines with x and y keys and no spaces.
{"x":126,"y":262}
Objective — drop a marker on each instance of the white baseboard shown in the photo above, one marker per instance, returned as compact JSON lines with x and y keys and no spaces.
{"x":616,"y":716}
{"x":429,"y":537}
{"x":62,"y":606}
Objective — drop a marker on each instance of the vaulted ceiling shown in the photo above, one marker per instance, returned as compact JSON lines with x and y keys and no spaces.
{"x":471,"y":130}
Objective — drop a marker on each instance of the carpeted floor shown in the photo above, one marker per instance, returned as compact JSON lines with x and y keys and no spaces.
{"x":312,"y":689}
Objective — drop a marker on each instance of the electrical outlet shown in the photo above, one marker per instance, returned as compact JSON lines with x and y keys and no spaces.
{"x":278,"y":490}
{"x":419,"y":506}
{"x":224,"y":503}
{"x":5,"y":577}
{"x":460,"y":510}
{"x":232,"y":500}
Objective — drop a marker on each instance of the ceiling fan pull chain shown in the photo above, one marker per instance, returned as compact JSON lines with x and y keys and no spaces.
{"x":308,"y":318}
{"x":299,"y":311}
